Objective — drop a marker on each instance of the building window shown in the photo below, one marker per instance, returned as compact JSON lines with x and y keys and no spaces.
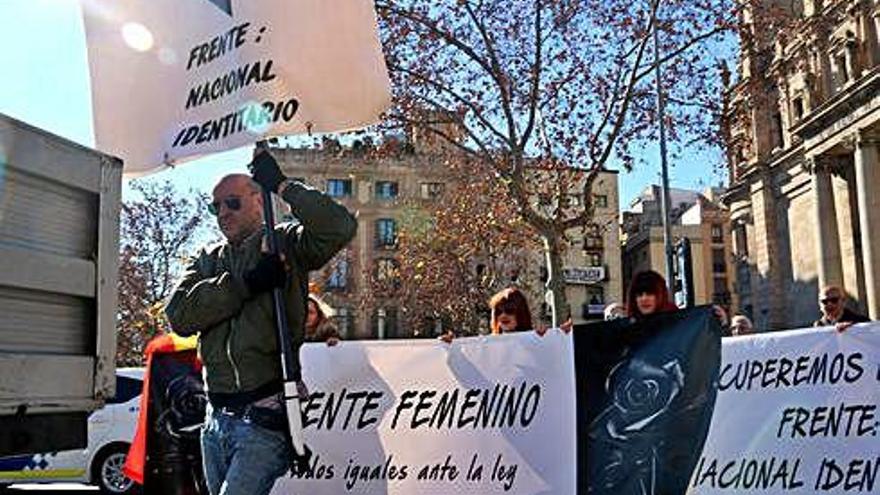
{"x":339,"y":188}
{"x":593,"y":242}
{"x":386,"y":270}
{"x":345,"y":322}
{"x":776,"y":127}
{"x":594,"y":259}
{"x":717,"y":233}
{"x":594,"y":307}
{"x":720,"y":294}
{"x":386,"y":189}
{"x":742,"y":243}
{"x":719,"y":265}
{"x":338,"y":278}
{"x":840,"y":61}
{"x":600,"y":201}
{"x":385,"y":323}
{"x":431,"y":190}
{"x":386,"y":233}
{"x":798,"y":107}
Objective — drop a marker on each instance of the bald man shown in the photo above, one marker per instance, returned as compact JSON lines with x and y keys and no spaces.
{"x":832,"y":303}
{"x":226,"y":298}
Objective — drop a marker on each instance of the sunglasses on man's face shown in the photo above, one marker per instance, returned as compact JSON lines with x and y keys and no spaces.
{"x":829,"y":300}
{"x":232,"y":202}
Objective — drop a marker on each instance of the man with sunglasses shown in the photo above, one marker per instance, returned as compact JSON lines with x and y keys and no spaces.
{"x":225,"y":297}
{"x":832,"y":303}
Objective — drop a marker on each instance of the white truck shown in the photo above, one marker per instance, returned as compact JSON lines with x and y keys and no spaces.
{"x":59,"y":237}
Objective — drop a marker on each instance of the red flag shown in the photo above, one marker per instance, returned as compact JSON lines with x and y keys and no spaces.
{"x":137,"y":453}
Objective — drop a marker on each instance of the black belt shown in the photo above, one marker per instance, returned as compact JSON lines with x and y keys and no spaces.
{"x":239,"y":400}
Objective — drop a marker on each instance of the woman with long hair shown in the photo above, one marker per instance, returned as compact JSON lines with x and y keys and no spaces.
{"x":319,"y":328}
{"x":510,"y":312}
{"x":648,"y":295}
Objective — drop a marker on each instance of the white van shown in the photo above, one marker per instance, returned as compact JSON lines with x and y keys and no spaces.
{"x":110,"y":432}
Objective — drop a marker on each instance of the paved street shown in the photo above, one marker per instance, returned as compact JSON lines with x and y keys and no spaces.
{"x":49,"y":489}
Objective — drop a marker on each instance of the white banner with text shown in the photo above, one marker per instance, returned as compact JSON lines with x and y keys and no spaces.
{"x":796,"y":413}
{"x":482,"y":415}
{"x":175,"y":79}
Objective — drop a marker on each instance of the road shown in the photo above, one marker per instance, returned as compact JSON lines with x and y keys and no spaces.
{"x":49,"y":489}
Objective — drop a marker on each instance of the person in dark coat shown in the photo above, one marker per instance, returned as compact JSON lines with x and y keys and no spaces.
{"x":832,"y":304}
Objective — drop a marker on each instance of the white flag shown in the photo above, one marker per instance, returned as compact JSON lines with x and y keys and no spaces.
{"x":175,"y":79}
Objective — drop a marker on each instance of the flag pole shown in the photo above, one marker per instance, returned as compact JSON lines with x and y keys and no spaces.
{"x":290,"y":369}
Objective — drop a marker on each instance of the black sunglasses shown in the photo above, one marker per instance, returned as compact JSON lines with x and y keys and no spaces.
{"x":505,"y":308}
{"x":827,"y":300}
{"x":232,"y":202}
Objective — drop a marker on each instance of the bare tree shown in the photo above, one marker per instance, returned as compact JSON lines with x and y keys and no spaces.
{"x":159,"y":230}
{"x":454,"y":250}
{"x":547,"y":93}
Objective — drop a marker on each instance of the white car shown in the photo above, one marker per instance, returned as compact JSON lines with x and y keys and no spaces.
{"x":110,"y":432}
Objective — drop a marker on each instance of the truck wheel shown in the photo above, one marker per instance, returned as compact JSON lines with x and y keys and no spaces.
{"x":107,"y":471}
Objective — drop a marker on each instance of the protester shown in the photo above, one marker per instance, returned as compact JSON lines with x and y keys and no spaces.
{"x":648,"y":295}
{"x":832,"y":304}
{"x":319,"y":328}
{"x":741,"y":325}
{"x":225,"y":297}
{"x":614,"y":311}
{"x":510,"y":312}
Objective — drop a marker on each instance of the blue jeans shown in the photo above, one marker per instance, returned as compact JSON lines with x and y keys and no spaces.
{"x":239,"y":457}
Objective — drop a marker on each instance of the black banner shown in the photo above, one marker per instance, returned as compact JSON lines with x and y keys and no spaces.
{"x":645,"y":395}
{"x":176,"y":412}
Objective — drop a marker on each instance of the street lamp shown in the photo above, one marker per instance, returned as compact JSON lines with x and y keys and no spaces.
{"x":664,"y":172}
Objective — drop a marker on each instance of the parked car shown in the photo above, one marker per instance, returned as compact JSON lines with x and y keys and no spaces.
{"x":110,"y":431}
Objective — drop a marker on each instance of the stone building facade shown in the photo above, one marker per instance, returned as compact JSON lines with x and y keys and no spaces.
{"x":803,"y":121}
{"x":380,"y":189}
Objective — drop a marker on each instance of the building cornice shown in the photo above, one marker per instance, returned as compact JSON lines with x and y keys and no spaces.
{"x":840,"y":105}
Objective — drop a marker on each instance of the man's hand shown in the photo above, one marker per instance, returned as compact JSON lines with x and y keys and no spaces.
{"x":264,"y":170}
{"x":267,"y":275}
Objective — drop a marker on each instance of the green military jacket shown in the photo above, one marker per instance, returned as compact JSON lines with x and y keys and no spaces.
{"x":237,"y":341}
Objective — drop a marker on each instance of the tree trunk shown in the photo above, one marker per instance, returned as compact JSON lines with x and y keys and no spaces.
{"x":555,"y":287}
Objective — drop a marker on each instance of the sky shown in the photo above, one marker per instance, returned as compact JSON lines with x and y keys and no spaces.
{"x":44,"y":81}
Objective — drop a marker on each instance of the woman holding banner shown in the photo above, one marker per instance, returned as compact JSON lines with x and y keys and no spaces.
{"x":510,"y":312}
{"x":648,"y":295}
{"x":319,"y":328}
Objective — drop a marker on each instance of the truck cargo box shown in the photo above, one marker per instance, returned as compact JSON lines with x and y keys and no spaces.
{"x":59,"y":237}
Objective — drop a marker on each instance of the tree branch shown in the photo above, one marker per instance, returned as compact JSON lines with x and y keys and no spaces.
{"x":445,"y":89}
{"x":627,"y":97}
{"x":496,"y":73}
{"x":536,"y":78}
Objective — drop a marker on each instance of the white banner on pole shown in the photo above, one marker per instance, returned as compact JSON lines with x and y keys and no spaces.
{"x":481,"y":416}
{"x":796,"y":413}
{"x":175,"y":79}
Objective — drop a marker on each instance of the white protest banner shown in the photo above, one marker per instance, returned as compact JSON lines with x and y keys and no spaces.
{"x":480,"y":415}
{"x":796,"y":413}
{"x":175,"y":79}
